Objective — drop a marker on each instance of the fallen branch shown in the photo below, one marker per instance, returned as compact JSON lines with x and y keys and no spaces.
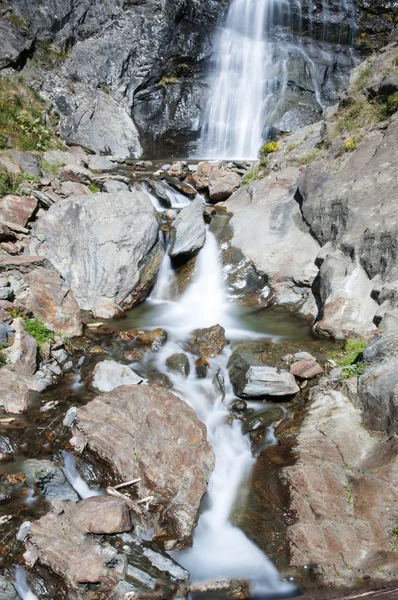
{"x":128,"y":483}
{"x":130,"y":503}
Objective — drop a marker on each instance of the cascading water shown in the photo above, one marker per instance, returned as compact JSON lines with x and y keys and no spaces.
{"x":255,"y":82}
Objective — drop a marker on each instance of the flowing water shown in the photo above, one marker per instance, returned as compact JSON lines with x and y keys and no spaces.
{"x":264,"y":64}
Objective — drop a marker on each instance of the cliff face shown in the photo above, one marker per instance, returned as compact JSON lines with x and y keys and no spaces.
{"x":130,"y":76}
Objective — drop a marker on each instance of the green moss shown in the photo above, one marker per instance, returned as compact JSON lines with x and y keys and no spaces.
{"x":22,"y":118}
{"x":307,"y":158}
{"x":94,"y":189}
{"x":350,"y":359}
{"x":38,"y":330}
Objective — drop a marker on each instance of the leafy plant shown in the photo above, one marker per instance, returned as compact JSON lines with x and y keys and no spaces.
{"x":269,"y":148}
{"x":38,"y":330}
{"x":94,"y":189}
{"x":392,"y":104}
{"x":351,"y":144}
{"x":307,"y":158}
{"x":47,"y":167}
{"x":363,"y":78}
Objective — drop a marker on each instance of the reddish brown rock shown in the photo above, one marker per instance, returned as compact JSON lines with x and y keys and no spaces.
{"x":74,"y":188}
{"x":219,"y":182}
{"x":306,"y":369}
{"x":14,"y":394}
{"x":146,"y":431}
{"x":17,"y":209}
{"x":75,"y":173}
{"x":209,"y":341}
{"x":102,"y":515}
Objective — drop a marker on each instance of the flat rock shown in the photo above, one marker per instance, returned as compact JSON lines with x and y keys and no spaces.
{"x":148,"y":432}
{"x":29,"y":162}
{"x":102,"y":515}
{"x":111,"y":187}
{"x":63,"y":157}
{"x":107,"y":251}
{"x":109,"y":375}
{"x":75,"y":173}
{"x":306,"y":369}
{"x":17,"y":209}
{"x":188,"y":231}
{"x":50,"y":480}
{"x":73,"y":188}
{"x":100,"y":163}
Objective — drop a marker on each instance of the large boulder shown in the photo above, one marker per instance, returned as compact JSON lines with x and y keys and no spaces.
{"x":13,"y":44}
{"x":39,"y":288}
{"x":105,"y":246}
{"x":188,"y":231}
{"x":378,"y":386}
{"x":220,"y":183}
{"x":147,"y":432}
{"x":269,"y":229}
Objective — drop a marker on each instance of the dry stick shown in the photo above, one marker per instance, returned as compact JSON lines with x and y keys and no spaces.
{"x":146,"y":500}
{"x":133,"y":505}
{"x":122,"y":485}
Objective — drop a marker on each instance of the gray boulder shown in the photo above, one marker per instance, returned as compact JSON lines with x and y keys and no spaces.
{"x":7,"y":591}
{"x":50,"y":480}
{"x":145,"y":431}
{"x":110,"y":187}
{"x":250,"y":378}
{"x":378,"y":386}
{"x":188,"y":231}
{"x":13,"y":44}
{"x":178,"y":363}
{"x":109,"y":375}
{"x":107,"y":250}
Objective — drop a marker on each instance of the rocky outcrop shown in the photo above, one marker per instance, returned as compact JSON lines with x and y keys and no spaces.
{"x":147,"y":432}
{"x":188,"y":231}
{"x":39,"y":288}
{"x":378,"y":386}
{"x":107,"y":250}
{"x":343,"y":494}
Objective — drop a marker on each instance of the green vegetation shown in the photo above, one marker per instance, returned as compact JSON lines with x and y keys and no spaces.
{"x":47,"y":167}
{"x":293,"y":146}
{"x":165,"y":81}
{"x":395,"y":60}
{"x":392,"y":104}
{"x":11,"y":184}
{"x":395,"y":532}
{"x":48,"y":57}
{"x":350,"y":359}
{"x":307,"y":158}
{"x":350,"y":499}
{"x":94,"y":189}
{"x":22,"y":119}
{"x":254,"y":174}
{"x":363,"y":78}
{"x":3,"y":359}
{"x":269,"y":148}
{"x":359,"y":114}
{"x":38,"y":330}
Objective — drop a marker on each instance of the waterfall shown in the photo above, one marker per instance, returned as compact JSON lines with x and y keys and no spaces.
{"x":71,"y":474}
{"x":265,"y":68}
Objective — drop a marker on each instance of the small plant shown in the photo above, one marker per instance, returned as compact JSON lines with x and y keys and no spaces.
{"x":94,"y":189}
{"x":269,"y":148}
{"x":307,"y":158}
{"x":350,"y":359}
{"x":6,"y":183}
{"x":349,"y":496}
{"x":395,"y":60}
{"x":47,"y":167}
{"x":363,"y":78}
{"x":392,"y":104}
{"x":165,"y":81}
{"x":255,"y":174}
{"x":293,"y":146}
{"x":395,"y":532}
{"x":38,"y":330}
{"x":351,"y":144}
{"x":48,"y":57}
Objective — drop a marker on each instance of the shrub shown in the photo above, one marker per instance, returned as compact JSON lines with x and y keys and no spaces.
{"x":269,"y":148}
{"x":38,"y":330}
{"x":363,"y":78}
{"x":395,"y":60}
{"x":359,"y":114}
{"x":392,"y":104}
{"x":48,"y":57}
{"x":350,"y":361}
{"x":94,"y":189}
{"x":351,"y":144}
{"x":6,"y":183}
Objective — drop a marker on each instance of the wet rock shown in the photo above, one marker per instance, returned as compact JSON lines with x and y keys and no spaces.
{"x":154,"y":339}
{"x":342,"y":494}
{"x":210,"y":341}
{"x":306,"y":369}
{"x":50,"y":480}
{"x":58,"y":542}
{"x":178,"y":363}
{"x":188,"y":231}
{"x":183,"y":187}
{"x":263,"y":419}
{"x":201,"y":367}
{"x":109,"y":375}
{"x":17,"y":209}
{"x":147,"y":432}
{"x":302,"y":356}
{"x":161,"y":379}
{"x":159,"y":192}
{"x":116,"y":235}
{"x":110,"y":187}
{"x":41,"y":290}
{"x":251,"y":378}
{"x":7,"y":591}
{"x":239,"y":406}
{"x":134,"y":355}
{"x":14,"y":397}
{"x":378,"y":386}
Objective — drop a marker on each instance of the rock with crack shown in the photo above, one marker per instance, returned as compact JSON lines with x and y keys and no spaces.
{"x":148,"y":432}
{"x":39,"y":288}
{"x":107,"y":249}
{"x":188,"y":231}
{"x":343,"y":494}
{"x":59,"y":541}
{"x":17,"y":209}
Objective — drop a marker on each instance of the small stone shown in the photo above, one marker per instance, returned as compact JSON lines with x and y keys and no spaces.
{"x":209,"y":341}
{"x":135,"y":354}
{"x":303,"y":356}
{"x":201,"y":367}
{"x":306,"y":369}
{"x":238,"y":406}
{"x":178,"y":363}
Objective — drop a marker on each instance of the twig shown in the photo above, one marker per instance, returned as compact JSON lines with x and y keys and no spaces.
{"x":133,"y":505}
{"x":122,"y":485}
{"x":146,"y":501}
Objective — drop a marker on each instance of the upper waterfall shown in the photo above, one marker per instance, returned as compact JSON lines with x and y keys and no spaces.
{"x":271,"y":62}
